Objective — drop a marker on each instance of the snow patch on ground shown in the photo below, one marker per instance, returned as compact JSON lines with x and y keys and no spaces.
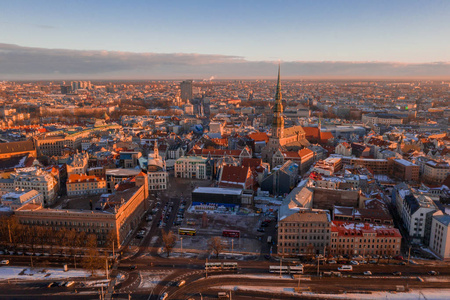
{"x":96,"y":283}
{"x":430,"y":294}
{"x":259,"y":276}
{"x":149,"y":280}
{"x":7,"y":273}
{"x":436,"y":279}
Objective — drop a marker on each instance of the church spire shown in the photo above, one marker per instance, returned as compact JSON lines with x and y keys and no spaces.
{"x":278,"y":92}
{"x":278,"y":120}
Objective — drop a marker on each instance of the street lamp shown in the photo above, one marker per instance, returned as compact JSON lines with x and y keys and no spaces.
{"x":181,"y":240}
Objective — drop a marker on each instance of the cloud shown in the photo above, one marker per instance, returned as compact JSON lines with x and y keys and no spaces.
{"x":21,"y":63}
{"x":45,"y":26}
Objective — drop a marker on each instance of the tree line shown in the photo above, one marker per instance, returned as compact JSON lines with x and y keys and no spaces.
{"x":19,"y":238}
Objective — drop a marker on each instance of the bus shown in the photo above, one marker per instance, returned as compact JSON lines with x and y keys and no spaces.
{"x":345,"y":268}
{"x":187,"y":231}
{"x":231,"y":233}
{"x":276,"y":269}
{"x":230,"y":266}
{"x":269,"y":239}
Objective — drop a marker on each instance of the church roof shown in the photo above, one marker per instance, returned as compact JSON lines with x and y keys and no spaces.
{"x":20,"y":146}
{"x":311,"y":132}
{"x":259,"y":136}
{"x":294,"y":130}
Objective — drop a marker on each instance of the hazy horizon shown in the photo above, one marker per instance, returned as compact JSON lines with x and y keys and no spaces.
{"x":152,"y":40}
{"x":31,"y":63}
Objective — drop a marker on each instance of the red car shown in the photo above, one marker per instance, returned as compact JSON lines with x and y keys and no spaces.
{"x":398,"y":257}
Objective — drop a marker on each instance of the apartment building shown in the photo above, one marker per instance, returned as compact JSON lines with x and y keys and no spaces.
{"x":85,"y":185}
{"x":440,"y":236}
{"x":34,"y":178}
{"x":416,"y":212}
{"x":385,"y":119}
{"x":78,"y":164}
{"x":52,"y":145}
{"x":377,"y":166}
{"x":16,"y":199}
{"x":114,"y":176}
{"x":281,"y":180}
{"x":328,"y":166}
{"x":435,"y":171}
{"x":405,"y":170}
{"x":364,"y":239}
{"x":344,"y":149}
{"x":303,"y":232}
{"x":194,"y":167}
{"x":122,"y":215}
{"x":304,"y":158}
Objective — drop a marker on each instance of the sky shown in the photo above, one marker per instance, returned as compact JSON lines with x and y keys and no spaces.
{"x":225,"y":39}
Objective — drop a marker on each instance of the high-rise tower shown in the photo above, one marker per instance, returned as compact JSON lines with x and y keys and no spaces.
{"x":278,"y":120}
{"x":186,"y":90}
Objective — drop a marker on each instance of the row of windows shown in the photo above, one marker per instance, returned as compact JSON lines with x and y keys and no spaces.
{"x":282,"y":224}
{"x":65,"y":223}
{"x":304,"y":237}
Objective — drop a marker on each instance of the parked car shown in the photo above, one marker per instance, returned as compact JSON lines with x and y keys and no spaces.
{"x":261,"y":230}
{"x":398,"y":257}
{"x":372,"y":261}
{"x":367,"y":273}
{"x":433,"y":273}
{"x":397,"y":273}
{"x":4,"y":262}
{"x":164,"y":296}
{"x":331,"y":261}
{"x":354,"y":262}
{"x":133,"y":267}
{"x":52,"y":284}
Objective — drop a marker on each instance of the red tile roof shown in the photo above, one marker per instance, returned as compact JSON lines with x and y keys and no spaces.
{"x":259,"y":136}
{"x":235,"y":176}
{"x":349,"y":229}
{"x":311,"y":132}
{"x":216,"y":152}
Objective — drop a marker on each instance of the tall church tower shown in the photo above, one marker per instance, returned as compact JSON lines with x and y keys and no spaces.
{"x":278,"y":120}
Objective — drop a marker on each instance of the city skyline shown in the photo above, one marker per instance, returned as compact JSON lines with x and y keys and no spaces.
{"x":178,"y":40}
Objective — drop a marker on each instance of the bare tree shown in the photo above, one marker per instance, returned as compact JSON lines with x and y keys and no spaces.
{"x":111,"y":240}
{"x":216,"y":245}
{"x":169,"y":239}
{"x":92,"y":259}
{"x":70,"y":241}
{"x":61,"y":238}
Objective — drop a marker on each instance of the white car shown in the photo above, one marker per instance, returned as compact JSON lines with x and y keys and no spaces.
{"x":354,"y":262}
{"x":4,"y":262}
{"x":164,"y":296}
{"x":367,"y":273}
